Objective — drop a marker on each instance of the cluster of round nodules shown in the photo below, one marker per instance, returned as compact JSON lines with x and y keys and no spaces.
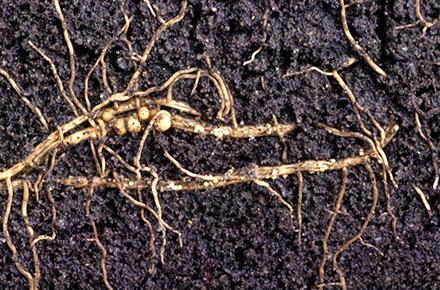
{"x":133,"y":123}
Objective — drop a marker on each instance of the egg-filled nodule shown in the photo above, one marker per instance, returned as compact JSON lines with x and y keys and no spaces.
{"x":120,"y":127}
{"x":143,"y":113}
{"x":133,"y":125}
{"x":163,"y":121}
{"x":107,"y":115}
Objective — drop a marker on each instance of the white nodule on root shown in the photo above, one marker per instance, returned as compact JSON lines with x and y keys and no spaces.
{"x":163,"y":121}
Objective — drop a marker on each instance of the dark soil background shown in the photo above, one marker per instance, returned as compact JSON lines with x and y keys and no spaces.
{"x":239,"y":236}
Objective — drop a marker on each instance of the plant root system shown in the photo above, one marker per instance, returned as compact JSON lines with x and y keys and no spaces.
{"x":136,"y":113}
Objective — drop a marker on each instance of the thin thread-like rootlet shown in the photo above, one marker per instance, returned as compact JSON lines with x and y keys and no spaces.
{"x":135,"y":111}
{"x":420,"y":19}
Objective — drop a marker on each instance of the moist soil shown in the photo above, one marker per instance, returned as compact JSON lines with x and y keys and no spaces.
{"x":237,"y":236}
